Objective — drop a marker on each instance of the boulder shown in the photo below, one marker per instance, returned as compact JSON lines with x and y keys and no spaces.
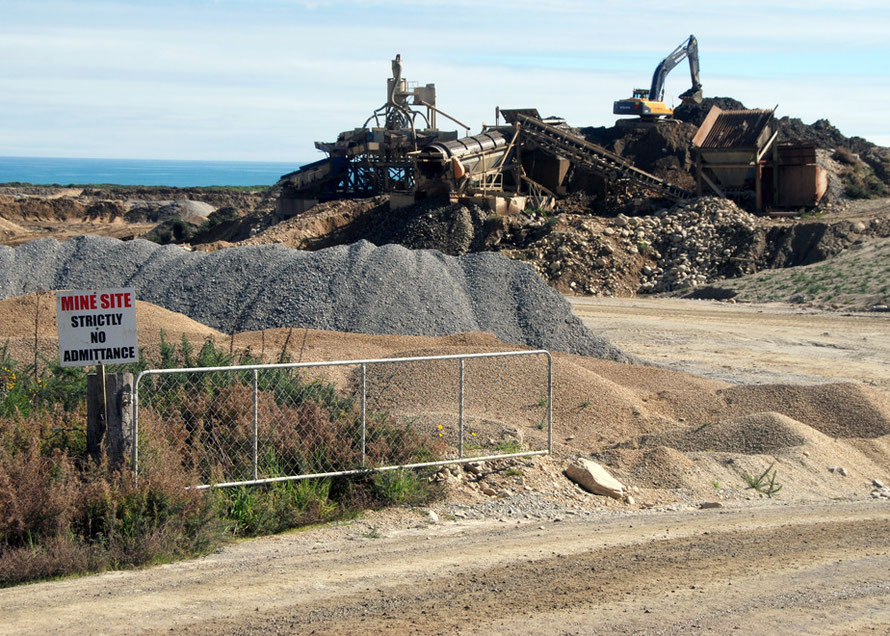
{"x":594,"y":478}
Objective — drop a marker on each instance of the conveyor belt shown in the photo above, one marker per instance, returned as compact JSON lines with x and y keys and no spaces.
{"x":596,"y":158}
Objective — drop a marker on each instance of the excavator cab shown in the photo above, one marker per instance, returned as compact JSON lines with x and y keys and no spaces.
{"x":647,"y":105}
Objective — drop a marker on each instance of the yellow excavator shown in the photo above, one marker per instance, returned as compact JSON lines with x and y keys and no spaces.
{"x":648,"y":104}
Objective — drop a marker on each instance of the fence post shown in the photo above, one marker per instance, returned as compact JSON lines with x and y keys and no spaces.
{"x":364,"y":410}
{"x":256,"y":425}
{"x":549,"y":404}
{"x":113,"y":436}
{"x":460,"y":416}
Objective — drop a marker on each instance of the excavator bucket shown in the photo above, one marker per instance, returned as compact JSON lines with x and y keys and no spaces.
{"x":692,"y":96}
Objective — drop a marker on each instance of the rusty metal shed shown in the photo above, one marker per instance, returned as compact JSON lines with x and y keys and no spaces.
{"x":733,"y":146}
{"x":738,"y":155}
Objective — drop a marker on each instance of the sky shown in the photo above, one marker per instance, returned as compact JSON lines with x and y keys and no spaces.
{"x":261,"y":80}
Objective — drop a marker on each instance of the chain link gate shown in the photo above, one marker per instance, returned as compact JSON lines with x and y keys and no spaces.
{"x":230,"y":426}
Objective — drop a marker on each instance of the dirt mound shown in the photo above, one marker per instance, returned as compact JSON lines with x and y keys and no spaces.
{"x":241,"y":198}
{"x":660,"y":467}
{"x":8,"y":229}
{"x":323,"y":225}
{"x":695,"y":113}
{"x":838,"y":410}
{"x":157,"y":211}
{"x":39,"y":208}
{"x":664,"y":150}
{"x":752,"y":434}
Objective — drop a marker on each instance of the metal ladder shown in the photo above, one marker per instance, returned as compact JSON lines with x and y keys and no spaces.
{"x":596,"y":158}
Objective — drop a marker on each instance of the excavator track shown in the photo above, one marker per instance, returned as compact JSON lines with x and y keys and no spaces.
{"x":597,"y":159}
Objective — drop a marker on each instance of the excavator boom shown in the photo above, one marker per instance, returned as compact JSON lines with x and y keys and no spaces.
{"x":650,"y":104}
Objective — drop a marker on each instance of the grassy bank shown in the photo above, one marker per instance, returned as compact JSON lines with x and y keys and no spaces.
{"x":858,"y":278}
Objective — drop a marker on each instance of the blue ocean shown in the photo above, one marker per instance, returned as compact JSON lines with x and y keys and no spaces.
{"x":148,"y":172}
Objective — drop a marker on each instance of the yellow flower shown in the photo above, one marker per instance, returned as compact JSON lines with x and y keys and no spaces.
{"x":439,"y":427}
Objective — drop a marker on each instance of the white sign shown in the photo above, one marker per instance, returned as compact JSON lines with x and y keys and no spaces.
{"x":97,"y":326}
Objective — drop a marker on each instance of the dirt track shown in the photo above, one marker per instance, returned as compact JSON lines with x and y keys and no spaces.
{"x":746,"y":343}
{"x":770,"y":569}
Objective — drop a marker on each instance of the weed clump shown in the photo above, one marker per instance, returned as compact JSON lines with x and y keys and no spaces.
{"x":765,"y":482}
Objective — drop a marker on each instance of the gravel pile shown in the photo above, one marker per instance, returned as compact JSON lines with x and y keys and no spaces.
{"x":357,"y":288}
{"x":757,"y":433}
{"x":837,"y":410}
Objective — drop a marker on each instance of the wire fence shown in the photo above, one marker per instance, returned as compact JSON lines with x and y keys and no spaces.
{"x":229,"y":426}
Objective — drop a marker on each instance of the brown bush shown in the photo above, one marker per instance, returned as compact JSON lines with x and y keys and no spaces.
{"x":845,"y":156}
{"x":60,"y":515}
{"x":212,"y":435}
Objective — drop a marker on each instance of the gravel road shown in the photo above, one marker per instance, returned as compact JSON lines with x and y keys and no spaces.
{"x":746,"y":343}
{"x":818,"y":568}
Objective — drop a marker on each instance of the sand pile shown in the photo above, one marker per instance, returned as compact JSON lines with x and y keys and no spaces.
{"x":756,"y":433}
{"x":838,"y":410}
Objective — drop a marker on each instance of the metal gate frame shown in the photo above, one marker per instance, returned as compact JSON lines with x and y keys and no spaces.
{"x":364,"y":365}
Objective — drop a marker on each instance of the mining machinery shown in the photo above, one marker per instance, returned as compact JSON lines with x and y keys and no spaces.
{"x":375,"y":158}
{"x":399,"y":150}
{"x":648,"y":104}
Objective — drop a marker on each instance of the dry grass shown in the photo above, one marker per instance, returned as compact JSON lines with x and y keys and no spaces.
{"x":61,"y":515}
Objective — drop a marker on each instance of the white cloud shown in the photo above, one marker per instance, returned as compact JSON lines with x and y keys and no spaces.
{"x":231,"y":80}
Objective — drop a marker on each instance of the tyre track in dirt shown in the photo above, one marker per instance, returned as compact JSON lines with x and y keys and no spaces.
{"x":760,"y":568}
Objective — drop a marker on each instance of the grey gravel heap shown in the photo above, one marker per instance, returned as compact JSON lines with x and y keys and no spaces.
{"x":356,"y":288}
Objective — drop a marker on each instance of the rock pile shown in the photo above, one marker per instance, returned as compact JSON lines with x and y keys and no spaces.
{"x":685,"y":246}
{"x":694,"y":243}
{"x":880,"y":490}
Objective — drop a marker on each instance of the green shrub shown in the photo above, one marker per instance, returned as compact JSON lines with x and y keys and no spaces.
{"x":402,"y":486}
{"x":254,"y":510}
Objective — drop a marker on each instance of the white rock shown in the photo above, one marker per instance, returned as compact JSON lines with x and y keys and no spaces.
{"x":842,"y":471}
{"x":432,"y":516}
{"x":594,"y":478}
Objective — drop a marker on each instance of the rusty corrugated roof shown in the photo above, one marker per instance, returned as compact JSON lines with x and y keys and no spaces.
{"x":737,"y":129}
